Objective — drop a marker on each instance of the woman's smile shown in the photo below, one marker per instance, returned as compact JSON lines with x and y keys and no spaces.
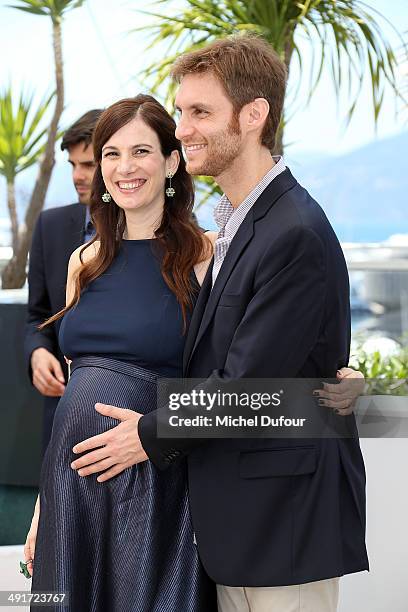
{"x":132,"y":186}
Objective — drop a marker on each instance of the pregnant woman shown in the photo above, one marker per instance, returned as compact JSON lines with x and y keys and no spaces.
{"x":126,"y":544}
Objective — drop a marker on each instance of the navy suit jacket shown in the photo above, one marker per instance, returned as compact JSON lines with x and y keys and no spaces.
{"x":58,"y":232}
{"x":270,"y":512}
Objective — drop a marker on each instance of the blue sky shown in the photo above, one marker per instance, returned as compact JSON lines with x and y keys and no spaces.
{"x":102,"y":61}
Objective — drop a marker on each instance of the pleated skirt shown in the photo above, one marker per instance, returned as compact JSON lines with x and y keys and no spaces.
{"x":125,"y":545}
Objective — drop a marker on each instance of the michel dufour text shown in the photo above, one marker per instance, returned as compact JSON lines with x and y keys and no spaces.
{"x":220,"y":400}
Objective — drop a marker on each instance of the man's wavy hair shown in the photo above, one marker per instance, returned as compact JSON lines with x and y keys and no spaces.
{"x":82,"y":130}
{"x":247,"y":68}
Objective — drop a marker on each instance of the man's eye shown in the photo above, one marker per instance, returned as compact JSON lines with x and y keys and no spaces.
{"x":200,"y":111}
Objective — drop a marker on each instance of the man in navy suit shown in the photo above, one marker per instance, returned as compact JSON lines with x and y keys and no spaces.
{"x":57,"y":233}
{"x":277,"y":521}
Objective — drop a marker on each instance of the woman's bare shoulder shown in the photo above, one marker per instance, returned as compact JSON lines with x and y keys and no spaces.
{"x":76,"y":261}
{"x":212,"y":236}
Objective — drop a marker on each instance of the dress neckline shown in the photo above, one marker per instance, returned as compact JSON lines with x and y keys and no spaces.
{"x":128,"y":240}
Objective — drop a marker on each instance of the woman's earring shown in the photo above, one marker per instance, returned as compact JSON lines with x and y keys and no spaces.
{"x":106,"y":197}
{"x":170,"y":190}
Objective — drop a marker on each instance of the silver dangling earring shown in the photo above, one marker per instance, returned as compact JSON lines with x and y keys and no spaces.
{"x":170,"y":190}
{"x":106,"y":197}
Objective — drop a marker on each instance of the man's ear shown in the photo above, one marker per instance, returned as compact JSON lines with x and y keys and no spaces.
{"x":257,"y":113}
{"x":172,"y":162}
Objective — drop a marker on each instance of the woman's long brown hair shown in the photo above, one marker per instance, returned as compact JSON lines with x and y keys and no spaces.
{"x":179,"y":239}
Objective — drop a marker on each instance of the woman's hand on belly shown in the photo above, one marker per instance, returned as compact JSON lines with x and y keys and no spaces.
{"x":114,"y":450}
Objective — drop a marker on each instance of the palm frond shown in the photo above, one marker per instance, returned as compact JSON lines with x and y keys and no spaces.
{"x":22,"y":140}
{"x":345,"y":33}
{"x":345,"y":36}
{"x":52,"y":8}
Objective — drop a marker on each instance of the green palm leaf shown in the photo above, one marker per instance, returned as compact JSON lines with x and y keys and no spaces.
{"x":52,"y":8}
{"x":345,"y":35}
{"x":21,"y":139}
{"x":342,"y":32}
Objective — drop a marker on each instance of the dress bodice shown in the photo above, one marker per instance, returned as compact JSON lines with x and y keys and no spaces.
{"x":128,"y":313}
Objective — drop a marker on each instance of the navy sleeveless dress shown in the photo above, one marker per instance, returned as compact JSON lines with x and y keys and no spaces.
{"x":125,"y":545}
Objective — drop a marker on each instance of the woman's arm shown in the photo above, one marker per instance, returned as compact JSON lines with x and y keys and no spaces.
{"x":74,"y":266}
{"x":29,"y":546}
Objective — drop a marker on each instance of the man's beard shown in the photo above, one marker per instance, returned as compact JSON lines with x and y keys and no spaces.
{"x":222,"y":150}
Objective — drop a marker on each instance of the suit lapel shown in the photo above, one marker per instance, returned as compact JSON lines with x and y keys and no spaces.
{"x":74,"y":236}
{"x":78,"y":225}
{"x":198,"y":313}
{"x":67,"y":234}
{"x":208,"y":299}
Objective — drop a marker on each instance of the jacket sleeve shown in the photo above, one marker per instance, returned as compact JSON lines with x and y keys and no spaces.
{"x":276,"y":334}
{"x":39,"y":307}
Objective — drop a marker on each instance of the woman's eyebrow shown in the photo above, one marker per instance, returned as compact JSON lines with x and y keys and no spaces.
{"x":135,"y":146}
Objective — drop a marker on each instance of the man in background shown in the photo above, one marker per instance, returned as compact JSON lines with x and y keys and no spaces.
{"x":57,"y":233}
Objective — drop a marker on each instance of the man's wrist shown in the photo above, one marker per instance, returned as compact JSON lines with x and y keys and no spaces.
{"x":40,"y":350}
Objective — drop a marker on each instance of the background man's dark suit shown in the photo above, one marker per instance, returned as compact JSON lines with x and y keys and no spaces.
{"x":58,"y":232}
{"x":273,"y":512}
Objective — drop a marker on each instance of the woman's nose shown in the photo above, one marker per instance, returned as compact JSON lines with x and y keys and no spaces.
{"x":127,"y":164}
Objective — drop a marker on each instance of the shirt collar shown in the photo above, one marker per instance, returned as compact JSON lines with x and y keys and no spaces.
{"x":223,"y":212}
{"x":87,"y":215}
{"x":224,"y":209}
